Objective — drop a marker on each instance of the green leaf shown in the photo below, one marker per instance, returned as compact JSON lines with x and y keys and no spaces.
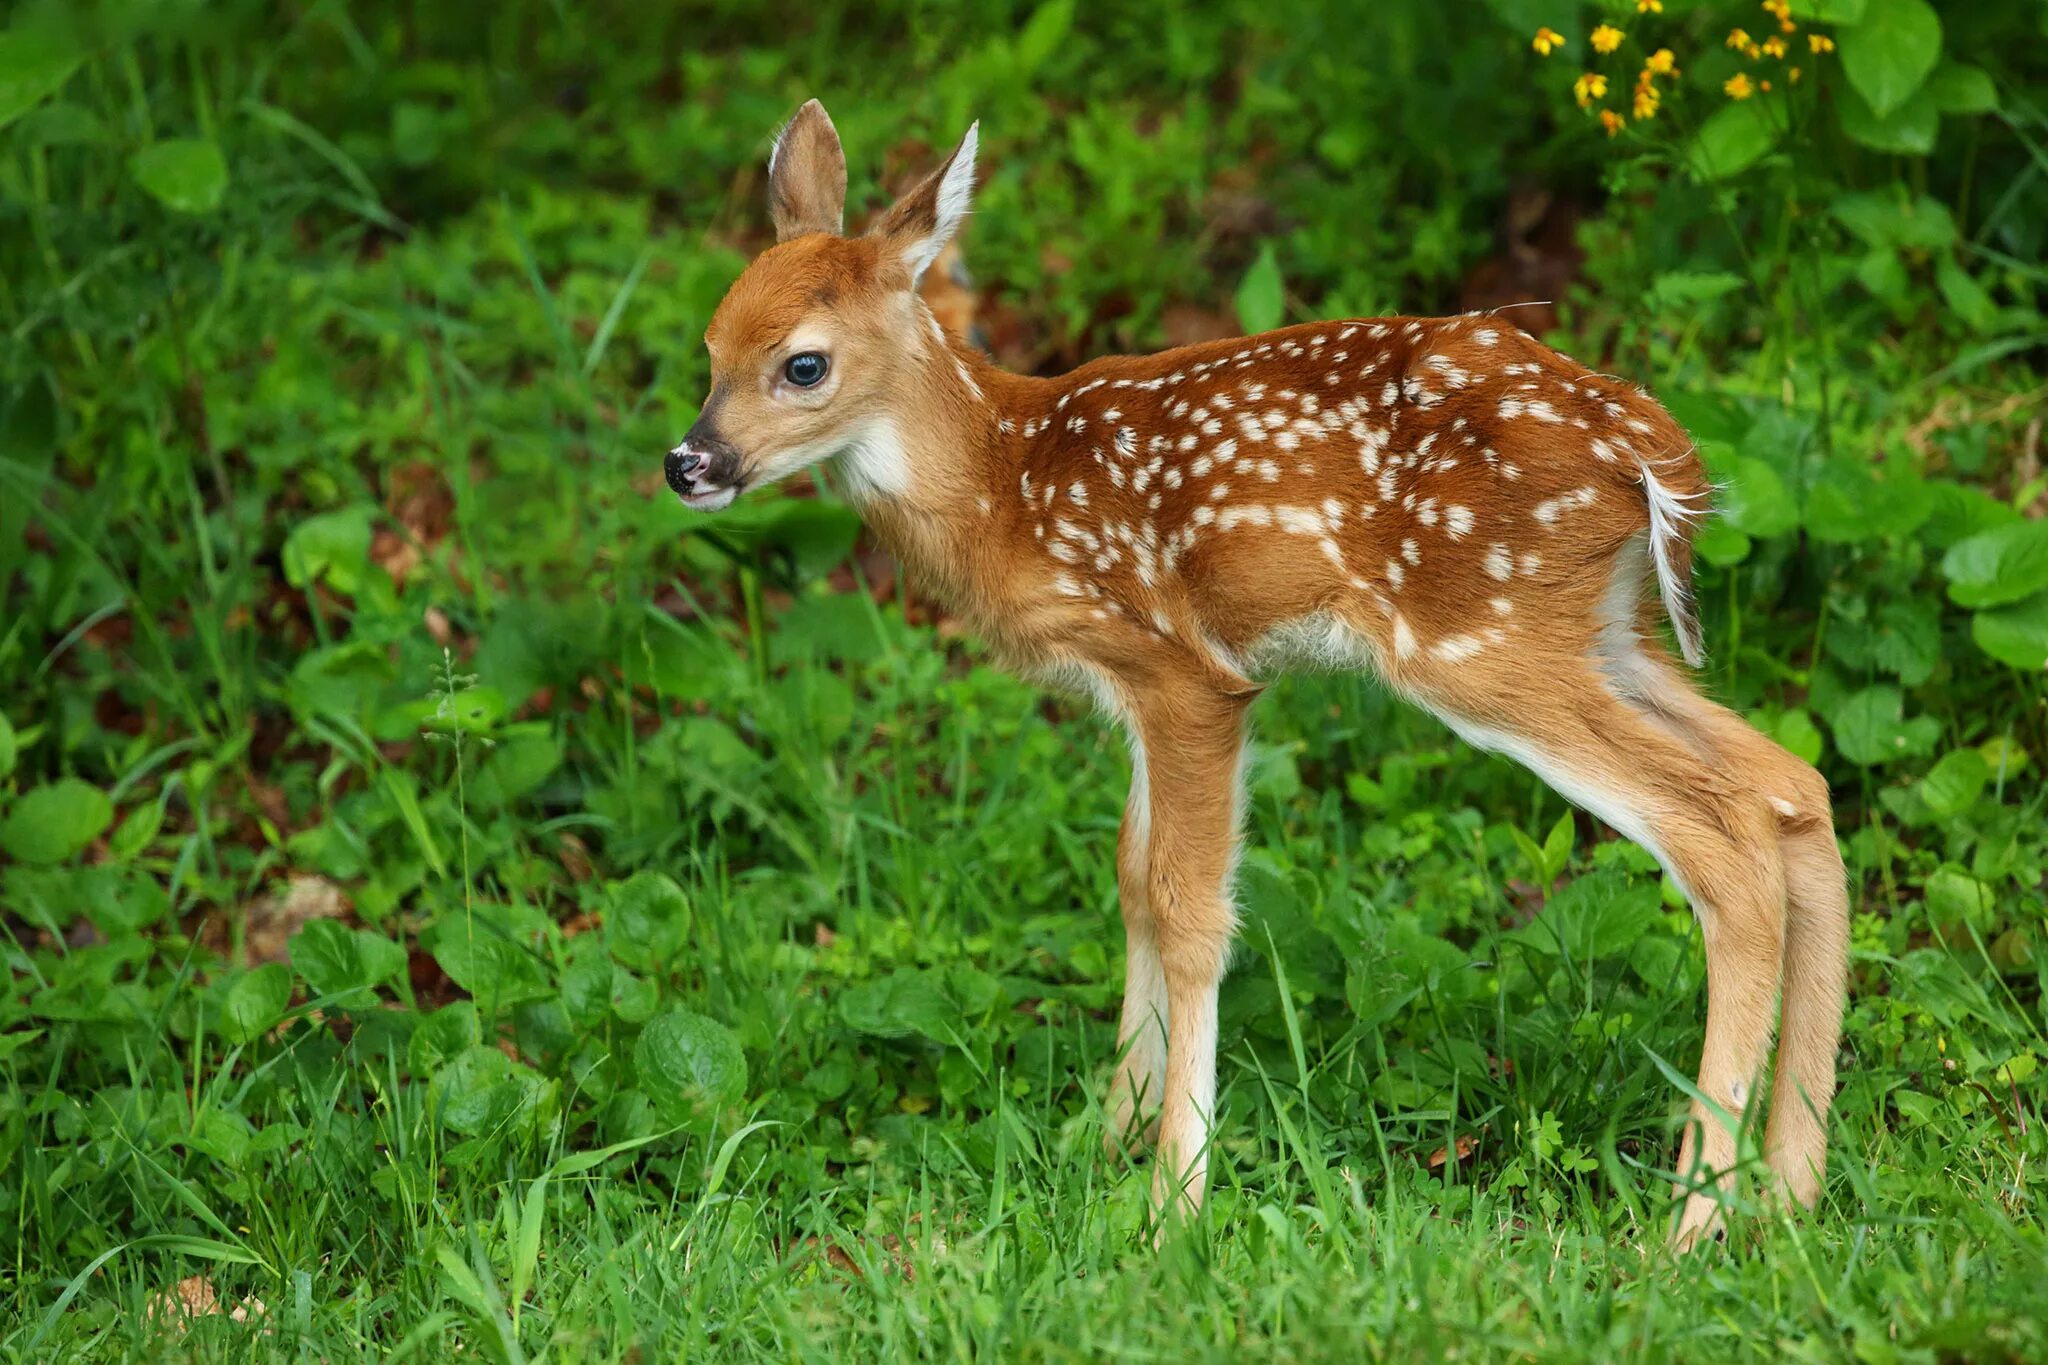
{"x":481,"y":1091}
{"x":1756,"y":501}
{"x":1675,"y":288}
{"x":1959,"y":88}
{"x":1042,"y":34}
{"x":1966,"y":297}
{"x":1261,"y":295}
{"x":1884,"y":219}
{"x":34,"y":62}
{"x":186,"y":175}
{"x":688,"y":1064}
{"x":648,"y":921}
{"x":1998,"y":566}
{"x":1891,"y":52}
{"x":904,"y":1002}
{"x":334,"y":546}
{"x":1847,"y":506}
{"x":53,"y":823}
{"x":1797,"y":732}
{"x":1955,"y":783}
{"x":1870,"y":728}
{"x":1734,"y":138}
{"x":480,"y":958}
{"x":9,"y":749}
{"x":1907,"y":130}
{"x":2015,"y":634}
{"x":256,"y":1001}
{"x":338,"y":961}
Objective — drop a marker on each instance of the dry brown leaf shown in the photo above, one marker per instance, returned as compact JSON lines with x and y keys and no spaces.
{"x":274,"y":918}
{"x":194,"y":1297}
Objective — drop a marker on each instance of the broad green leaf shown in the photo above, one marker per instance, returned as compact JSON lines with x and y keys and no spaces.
{"x":1797,"y":732}
{"x":906,"y":1001}
{"x":442,"y":1036}
{"x":1955,"y":783}
{"x":483,"y":1091}
{"x":1756,"y":501}
{"x":1955,"y":897}
{"x":1884,"y":219}
{"x":334,"y":546}
{"x":1846,"y":505}
{"x":1908,"y":130}
{"x":480,"y":958}
{"x":9,"y":749}
{"x":339,"y":961}
{"x":1261,"y":296}
{"x":1734,"y":138}
{"x":1891,"y":52}
{"x":648,"y":921}
{"x":1959,"y":88}
{"x":34,"y":62}
{"x":2015,"y":634}
{"x":1998,"y":566}
{"x":53,"y":823}
{"x":1870,"y":728}
{"x":256,"y":1001}
{"x":688,"y":1064}
{"x":187,"y":174}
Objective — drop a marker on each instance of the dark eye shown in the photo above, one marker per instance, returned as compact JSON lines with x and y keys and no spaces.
{"x":805,"y":370}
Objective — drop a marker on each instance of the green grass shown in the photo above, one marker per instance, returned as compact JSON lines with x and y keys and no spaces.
{"x":721,"y":956}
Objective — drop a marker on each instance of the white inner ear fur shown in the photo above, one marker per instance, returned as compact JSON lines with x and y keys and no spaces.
{"x":956,"y":192}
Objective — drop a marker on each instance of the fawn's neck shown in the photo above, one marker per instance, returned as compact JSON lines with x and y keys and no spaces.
{"x":927,"y":474}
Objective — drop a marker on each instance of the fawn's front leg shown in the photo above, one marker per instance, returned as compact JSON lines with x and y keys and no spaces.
{"x":1193,"y":740}
{"x":1141,"y":1033}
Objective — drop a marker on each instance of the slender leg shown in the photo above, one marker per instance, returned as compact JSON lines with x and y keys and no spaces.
{"x":1193,"y":740}
{"x":1141,"y":1034}
{"x":1816,"y":928}
{"x":1717,"y":836}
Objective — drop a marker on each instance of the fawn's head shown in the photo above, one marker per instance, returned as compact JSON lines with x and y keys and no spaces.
{"x":810,"y":344}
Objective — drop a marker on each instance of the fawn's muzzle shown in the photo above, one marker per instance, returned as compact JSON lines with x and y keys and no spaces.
{"x":703,"y":470}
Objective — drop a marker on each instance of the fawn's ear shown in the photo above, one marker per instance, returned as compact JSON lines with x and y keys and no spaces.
{"x":807,"y":176}
{"x":918,"y":226}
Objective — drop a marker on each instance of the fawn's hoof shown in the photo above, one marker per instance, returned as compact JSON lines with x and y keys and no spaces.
{"x":1700,"y":1223}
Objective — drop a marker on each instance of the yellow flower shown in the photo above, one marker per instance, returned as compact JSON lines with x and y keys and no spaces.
{"x":1649,"y":6}
{"x":1774,"y":46}
{"x":1738,"y":86}
{"x":1781,"y":10}
{"x":1606,"y":38}
{"x":1820,"y":42}
{"x":1611,"y":121}
{"x":1793,"y":75}
{"x":1764,"y":86}
{"x":1662,"y":63}
{"x":1646,"y":101}
{"x":1738,"y":38}
{"x":1589,"y":87}
{"x":1547,"y":39}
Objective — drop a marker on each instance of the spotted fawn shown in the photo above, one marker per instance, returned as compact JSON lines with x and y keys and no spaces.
{"x":1445,"y":502}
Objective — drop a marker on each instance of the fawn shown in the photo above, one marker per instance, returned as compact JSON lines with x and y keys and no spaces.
{"x":1444,"y":501}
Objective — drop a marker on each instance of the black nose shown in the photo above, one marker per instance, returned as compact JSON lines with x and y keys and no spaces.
{"x":680,"y":468}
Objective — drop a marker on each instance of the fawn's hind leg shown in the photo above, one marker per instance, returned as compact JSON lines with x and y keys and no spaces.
{"x":1716,"y":837}
{"x":1816,"y":927}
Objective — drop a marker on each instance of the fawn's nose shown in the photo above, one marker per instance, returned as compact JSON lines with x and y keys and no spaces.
{"x":681,"y":467}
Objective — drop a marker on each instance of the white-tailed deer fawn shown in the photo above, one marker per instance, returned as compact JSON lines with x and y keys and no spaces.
{"x":1444,"y":501}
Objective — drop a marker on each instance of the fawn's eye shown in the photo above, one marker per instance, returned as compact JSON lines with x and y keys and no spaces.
{"x":804,"y":370}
